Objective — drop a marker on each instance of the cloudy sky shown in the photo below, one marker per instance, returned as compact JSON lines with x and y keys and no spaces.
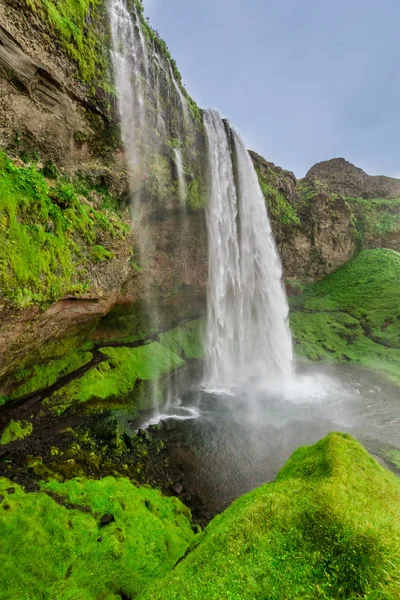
{"x":303,"y":80}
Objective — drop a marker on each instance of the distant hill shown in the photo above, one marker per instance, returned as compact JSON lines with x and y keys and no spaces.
{"x":346,"y":179}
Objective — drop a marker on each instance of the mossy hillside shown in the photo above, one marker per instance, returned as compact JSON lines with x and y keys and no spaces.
{"x":327,"y":528}
{"x":375,"y":218}
{"x":117,"y":380}
{"x":353,"y":314}
{"x":76,"y":557}
{"x":44,"y":375}
{"x":48,"y":236}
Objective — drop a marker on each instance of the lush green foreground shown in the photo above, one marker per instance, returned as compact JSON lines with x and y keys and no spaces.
{"x":353,"y":314}
{"x":54,"y":546}
{"x":328,"y":527}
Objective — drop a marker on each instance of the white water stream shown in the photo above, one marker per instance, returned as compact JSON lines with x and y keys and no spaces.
{"x":181,"y":176}
{"x":248,"y":334}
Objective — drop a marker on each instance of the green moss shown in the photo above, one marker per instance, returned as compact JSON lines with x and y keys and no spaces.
{"x":44,"y":375}
{"x":46,"y":236}
{"x":327,"y":528}
{"x":15,"y":430}
{"x":75,"y":557}
{"x":196,"y":196}
{"x":80,"y":27}
{"x":116,"y":379}
{"x":375,"y":218}
{"x":186,"y":340}
{"x":99,"y":254}
{"x":278,"y":207}
{"x":353,"y":314}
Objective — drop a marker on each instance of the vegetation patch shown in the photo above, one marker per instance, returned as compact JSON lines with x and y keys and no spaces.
{"x":81,"y":30}
{"x":353,"y":314}
{"x":185,"y":340}
{"x":45,"y":375}
{"x":375,"y":218}
{"x":328,"y":527}
{"x":48,"y":236}
{"x":278,"y":206}
{"x":15,"y":430}
{"x":116,"y":378}
{"x":93,"y":539}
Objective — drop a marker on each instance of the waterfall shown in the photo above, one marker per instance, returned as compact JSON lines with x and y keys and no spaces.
{"x":248,"y":334}
{"x":129,"y":56}
{"x":181,"y":176}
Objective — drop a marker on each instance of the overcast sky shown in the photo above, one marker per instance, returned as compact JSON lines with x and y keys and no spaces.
{"x":303,"y":80}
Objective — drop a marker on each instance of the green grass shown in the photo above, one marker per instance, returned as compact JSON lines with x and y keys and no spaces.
{"x":327,"y":528}
{"x":47,"y":236}
{"x":353,"y":314}
{"x":59,"y":551}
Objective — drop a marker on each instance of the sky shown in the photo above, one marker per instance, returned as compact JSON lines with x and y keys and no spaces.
{"x":302,"y":80}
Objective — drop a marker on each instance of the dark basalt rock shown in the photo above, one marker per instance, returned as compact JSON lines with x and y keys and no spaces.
{"x":106,"y":520}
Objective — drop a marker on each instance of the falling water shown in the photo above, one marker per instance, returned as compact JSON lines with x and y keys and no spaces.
{"x":181,"y":176}
{"x":248,"y":334}
{"x":129,"y":57}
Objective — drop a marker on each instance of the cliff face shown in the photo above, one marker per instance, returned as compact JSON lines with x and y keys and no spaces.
{"x":320,"y":222}
{"x":59,"y":130}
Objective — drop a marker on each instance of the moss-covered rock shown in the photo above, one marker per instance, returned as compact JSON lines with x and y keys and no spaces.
{"x":353,"y":314}
{"x":92,"y":539}
{"x":48,"y":236}
{"x":15,"y":430}
{"x":327,"y":528}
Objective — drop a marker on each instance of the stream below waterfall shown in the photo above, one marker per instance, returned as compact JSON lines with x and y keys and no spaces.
{"x":223,"y":444}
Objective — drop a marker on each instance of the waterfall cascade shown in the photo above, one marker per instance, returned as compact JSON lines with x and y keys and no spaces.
{"x":248,"y":333}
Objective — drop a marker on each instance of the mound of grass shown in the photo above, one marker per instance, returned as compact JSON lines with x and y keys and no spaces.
{"x":55,"y":546}
{"x":327,"y":528}
{"x":353,"y":314}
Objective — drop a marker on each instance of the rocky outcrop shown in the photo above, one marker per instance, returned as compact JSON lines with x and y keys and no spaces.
{"x":345,"y":179}
{"x":320,"y":222}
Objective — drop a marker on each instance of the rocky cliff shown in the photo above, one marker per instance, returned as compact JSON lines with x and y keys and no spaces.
{"x":59,"y":131}
{"x":323,"y":220}
{"x":347,"y":180}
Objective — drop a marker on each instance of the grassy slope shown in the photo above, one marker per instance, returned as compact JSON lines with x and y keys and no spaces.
{"x":328,"y":527}
{"x":353,"y":314}
{"x":60,"y":552}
